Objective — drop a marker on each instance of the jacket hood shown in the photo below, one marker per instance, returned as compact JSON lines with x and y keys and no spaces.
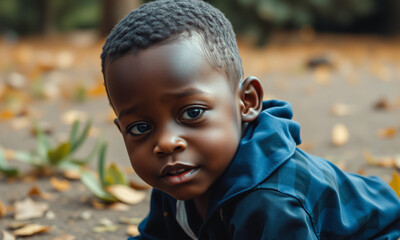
{"x":269,"y":141}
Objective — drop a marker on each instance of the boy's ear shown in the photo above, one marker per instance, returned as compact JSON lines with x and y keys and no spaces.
{"x":116,"y":122}
{"x":251,"y":95}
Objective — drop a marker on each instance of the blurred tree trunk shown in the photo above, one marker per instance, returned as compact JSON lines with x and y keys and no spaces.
{"x":108,"y":18}
{"x":46,"y":18}
{"x":113,"y":11}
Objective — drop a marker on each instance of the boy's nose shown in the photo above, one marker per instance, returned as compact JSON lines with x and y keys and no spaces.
{"x":169,"y":143}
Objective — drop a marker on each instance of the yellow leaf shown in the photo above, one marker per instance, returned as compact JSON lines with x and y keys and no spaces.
{"x":7,"y":236}
{"x":126,"y":194}
{"x":395,"y":183}
{"x":59,"y":185}
{"x":31,"y":229}
{"x":340,"y":135}
{"x":6,"y":114}
{"x":3,"y":209}
{"x":64,"y":237}
{"x":389,"y":132}
{"x":132,"y":230}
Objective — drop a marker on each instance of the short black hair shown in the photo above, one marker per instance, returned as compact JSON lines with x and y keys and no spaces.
{"x":165,"y":20}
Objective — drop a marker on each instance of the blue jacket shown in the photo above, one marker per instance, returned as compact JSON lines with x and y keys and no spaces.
{"x":273,"y":190}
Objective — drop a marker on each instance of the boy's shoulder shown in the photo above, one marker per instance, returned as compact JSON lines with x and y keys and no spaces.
{"x":329,"y":196}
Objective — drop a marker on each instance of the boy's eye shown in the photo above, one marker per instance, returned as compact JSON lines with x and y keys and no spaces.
{"x":139,"y":128}
{"x":192,"y":113}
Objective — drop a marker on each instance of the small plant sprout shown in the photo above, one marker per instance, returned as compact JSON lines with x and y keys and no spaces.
{"x":54,"y":158}
{"x":111,"y":185}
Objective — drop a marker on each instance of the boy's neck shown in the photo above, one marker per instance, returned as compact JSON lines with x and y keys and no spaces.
{"x":201,"y":204}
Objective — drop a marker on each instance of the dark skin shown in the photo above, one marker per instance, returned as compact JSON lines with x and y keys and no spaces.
{"x":180,"y":118}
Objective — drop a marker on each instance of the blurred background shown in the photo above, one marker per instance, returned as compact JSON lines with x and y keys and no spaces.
{"x":336,"y":61}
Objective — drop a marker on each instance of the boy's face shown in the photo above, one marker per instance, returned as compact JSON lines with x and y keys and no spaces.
{"x":179,"y":117}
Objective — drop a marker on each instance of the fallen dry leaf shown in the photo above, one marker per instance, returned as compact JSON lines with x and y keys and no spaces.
{"x":96,"y":204}
{"x":31,"y":229}
{"x":70,"y":116}
{"x":60,"y":185}
{"x":3,"y":209}
{"x":341,"y":109}
{"x":132,"y":230}
{"x":7,"y":236}
{"x":130,"y":221}
{"x":72,"y":174}
{"x":35,"y":191}
{"x":103,"y":229}
{"x":28,"y":209}
{"x":126,"y":194}
{"x":106,"y":225}
{"x":388,"y":132}
{"x":64,"y":237}
{"x":387,"y":162}
{"x":382,"y":104}
{"x":322,"y":75}
{"x":16,"y":225}
{"x":139,"y":186}
{"x":118,"y":206}
{"x":395,"y":183}
{"x":340,"y":135}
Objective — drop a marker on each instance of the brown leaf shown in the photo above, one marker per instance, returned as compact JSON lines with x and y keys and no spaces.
{"x":132,"y":230}
{"x":388,"y":132}
{"x":72,"y":174}
{"x":96,"y":204}
{"x":322,"y":75}
{"x":382,"y":104}
{"x":118,"y":206}
{"x":60,"y":185}
{"x":139,"y":186}
{"x":126,"y":194}
{"x":35,"y":191}
{"x":395,"y":183}
{"x":16,"y":225}
{"x":31,"y":229}
{"x":387,"y":162}
{"x":3,"y":209}
{"x":64,"y":237}
{"x":340,"y":135}
{"x":28,"y":209}
{"x":7,"y":236}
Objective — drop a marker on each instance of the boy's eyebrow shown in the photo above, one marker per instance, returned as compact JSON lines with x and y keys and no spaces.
{"x":185,"y":93}
{"x":188,"y":92}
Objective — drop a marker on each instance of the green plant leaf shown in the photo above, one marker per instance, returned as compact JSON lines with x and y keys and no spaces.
{"x":43,"y":146}
{"x":5,"y":169}
{"x":73,"y":132}
{"x":90,"y":156}
{"x":24,"y":157}
{"x":75,"y":141}
{"x":101,"y":164}
{"x":114,"y":176}
{"x":95,"y":187}
{"x":55,"y":156}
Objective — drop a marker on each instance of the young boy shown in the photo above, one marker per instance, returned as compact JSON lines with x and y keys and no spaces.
{"x":224,"y":164}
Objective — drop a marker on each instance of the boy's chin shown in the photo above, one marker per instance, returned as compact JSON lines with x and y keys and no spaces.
{"x":184,"y":195}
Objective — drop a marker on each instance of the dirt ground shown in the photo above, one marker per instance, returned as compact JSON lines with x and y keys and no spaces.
{"x":329,"y":80}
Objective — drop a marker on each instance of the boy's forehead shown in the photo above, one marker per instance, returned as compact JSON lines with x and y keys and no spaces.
{"x":182,"y":58}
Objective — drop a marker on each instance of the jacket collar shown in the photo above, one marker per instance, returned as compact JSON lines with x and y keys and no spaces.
{"x":269,"y":141}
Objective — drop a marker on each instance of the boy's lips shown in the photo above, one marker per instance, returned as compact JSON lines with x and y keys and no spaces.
{"x":179,"y":173}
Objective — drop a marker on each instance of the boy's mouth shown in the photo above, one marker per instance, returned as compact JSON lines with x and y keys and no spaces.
{"x":179,"y":173}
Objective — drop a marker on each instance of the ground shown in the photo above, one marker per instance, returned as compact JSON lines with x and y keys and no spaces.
{"x":330,"y":80}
